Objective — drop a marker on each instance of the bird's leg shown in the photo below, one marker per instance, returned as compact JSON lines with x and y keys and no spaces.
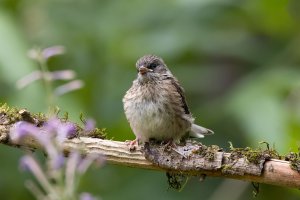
{"x":132,"y":144}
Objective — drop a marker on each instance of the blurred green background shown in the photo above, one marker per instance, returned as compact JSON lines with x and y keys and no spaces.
{"x":238,"y":61}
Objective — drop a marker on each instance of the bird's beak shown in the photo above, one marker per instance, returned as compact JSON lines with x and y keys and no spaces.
{"x":143,"y":70}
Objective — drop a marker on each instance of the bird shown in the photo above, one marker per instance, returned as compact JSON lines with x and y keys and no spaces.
{"x":155,"y":105}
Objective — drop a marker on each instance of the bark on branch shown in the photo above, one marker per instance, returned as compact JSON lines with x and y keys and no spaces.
{"x":192,"y":158}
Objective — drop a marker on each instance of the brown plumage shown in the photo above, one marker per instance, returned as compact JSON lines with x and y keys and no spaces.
{"x":155,"y":105}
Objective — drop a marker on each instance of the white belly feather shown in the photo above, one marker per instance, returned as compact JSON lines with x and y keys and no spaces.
{"x":150,"y":120}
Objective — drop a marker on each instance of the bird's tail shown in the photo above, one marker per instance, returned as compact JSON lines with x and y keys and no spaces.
{"x":199,"y":131}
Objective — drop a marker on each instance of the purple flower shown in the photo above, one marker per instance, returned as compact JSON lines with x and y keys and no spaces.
{"x":86,"y":196}
{"x":52,"y":51}
{"x":89,"y":125}
{"x":64,"y":131}
{"x":70,"y":177}
{"x":45,"y":54}
{"x":50,"y":137}
{"x":60,"y":130}
{"x":57,"y":162}
{"x":85,"y":163}
{"x":29,"y":163}
{"x":28,"y":79}
{"x":37,"y":75}
{"x":51,"y":125}
{"x":62,"y":75}
{"x":68,"y":87}
{"x":23,"y":129}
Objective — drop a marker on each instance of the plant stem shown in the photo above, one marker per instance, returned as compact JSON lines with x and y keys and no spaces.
{"x":50,"y":99}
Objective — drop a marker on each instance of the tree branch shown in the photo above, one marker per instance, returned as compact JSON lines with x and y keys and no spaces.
{"x":193,"y":159}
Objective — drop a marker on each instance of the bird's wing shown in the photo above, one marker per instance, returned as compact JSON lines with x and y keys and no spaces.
{"x":180,"y":91}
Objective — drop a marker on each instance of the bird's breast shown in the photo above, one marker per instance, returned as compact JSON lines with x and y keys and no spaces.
{"x":148,"y":111}
{"x":147,"y":103}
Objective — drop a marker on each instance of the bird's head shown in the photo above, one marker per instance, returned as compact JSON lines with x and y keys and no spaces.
{"x":151,"y":67}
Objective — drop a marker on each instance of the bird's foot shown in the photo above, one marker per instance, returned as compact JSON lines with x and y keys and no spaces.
{"x":132,"y":144}
{"x":172,"y":146}
{"x":169,"y":145}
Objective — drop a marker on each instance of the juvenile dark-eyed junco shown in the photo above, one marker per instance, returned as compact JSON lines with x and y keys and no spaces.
{"x":155,"y":105}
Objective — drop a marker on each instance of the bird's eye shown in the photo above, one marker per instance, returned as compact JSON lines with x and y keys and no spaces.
{"x":152,"y":65}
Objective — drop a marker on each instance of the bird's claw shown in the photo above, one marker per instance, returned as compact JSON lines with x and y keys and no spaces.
{"x":132,"y":144}
{"x":169,"y":145}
